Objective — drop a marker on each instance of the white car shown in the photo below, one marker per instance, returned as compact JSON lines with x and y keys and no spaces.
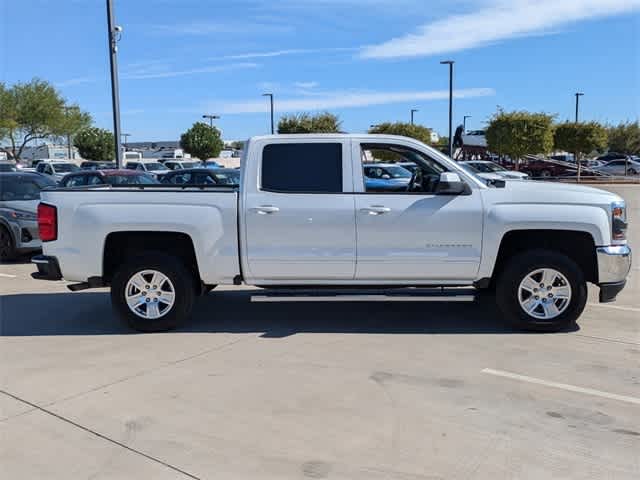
{"x":152,"y":167}
{"x":620,"y":167}
{"x":182,"y":164}
{"x":488,"y":169}
{"x":303,"y":216}
{"x":56,"y":169}
{"x":474,"y":138}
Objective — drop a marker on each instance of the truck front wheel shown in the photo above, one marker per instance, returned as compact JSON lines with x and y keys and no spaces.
{"x":541,"y":290}
{"x":153,"y":293}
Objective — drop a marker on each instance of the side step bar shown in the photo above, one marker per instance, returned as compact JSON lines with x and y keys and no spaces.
{"x":401,"y":295}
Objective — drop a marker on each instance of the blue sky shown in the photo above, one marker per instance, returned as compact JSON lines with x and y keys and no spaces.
{"x":368,"y":61}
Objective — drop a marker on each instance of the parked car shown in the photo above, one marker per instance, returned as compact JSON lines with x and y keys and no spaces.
{"x":203,"y":176}
{"x":546,"y":169}
{"x":7,"y":166}
{"x":56,"y":169}
{"x":386,"y":177}
{"x":152,"y":167}
{"x":609,"y":156}
{"x":624,"y":166}
{"x":483,"y":168}
{"x":474,"y":138}
{"x":97,"y":165}
{"x":412,"y":167}
{"x":19,"y":198}
{"x":489,"y":178}
{"x":182,"y":164}
{"x":303,"y":217}
{"x":211,"y":164}
{"x":107,"y":177}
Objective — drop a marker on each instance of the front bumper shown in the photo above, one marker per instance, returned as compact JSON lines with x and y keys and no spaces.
{"x":48,"y":268}
{"x":614,"y":264}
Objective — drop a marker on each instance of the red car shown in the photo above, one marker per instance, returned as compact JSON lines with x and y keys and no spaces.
{"x":106,"y":177}
{"x":544,"y":169}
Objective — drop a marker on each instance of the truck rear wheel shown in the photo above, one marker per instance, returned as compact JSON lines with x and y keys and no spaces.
{"x":7,"y":250}
{"x":541,"y":290}
{"x":153,"y":293}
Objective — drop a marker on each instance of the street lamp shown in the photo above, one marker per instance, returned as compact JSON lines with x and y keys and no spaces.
{"x":126,"y":137}
{"x":270,"y":95}
{"x":211,"y":119}
{"x":413,"y":110}
{"x":450,"y":63}
{"x":114,"y":36}
{"x":66,"y":111}
{"x":464,"y":123}
{"x":578,"y":95}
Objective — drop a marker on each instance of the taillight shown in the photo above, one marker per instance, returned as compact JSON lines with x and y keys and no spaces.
{"x":47,"y":222}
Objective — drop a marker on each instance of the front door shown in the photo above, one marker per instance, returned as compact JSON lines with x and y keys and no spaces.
{"x":412,"y":234}
{"x":299,"y":213}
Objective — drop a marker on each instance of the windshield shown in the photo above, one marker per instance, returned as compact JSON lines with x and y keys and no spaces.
{"x":65,"y":167}
{"x":141,"y":179}
{"x":395,"y":171}
{"x":487,"y":167}
{"x":155,"y":166}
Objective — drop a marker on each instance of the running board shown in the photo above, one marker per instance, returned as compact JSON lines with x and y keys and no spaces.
{"x":413,"y":295}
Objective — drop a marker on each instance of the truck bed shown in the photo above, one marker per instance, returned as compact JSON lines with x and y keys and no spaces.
{"x":87,"y":216}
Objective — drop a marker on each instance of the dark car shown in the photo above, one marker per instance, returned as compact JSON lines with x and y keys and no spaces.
{"x":107,"y":177}
{"x":7,"y":166}
{"x":203,"y":176}
{"x":19,"y":198}
{"x":610,"y":156}
{"x":94,"y":165}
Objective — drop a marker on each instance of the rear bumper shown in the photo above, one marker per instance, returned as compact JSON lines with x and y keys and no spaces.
{"x":614,"y":264}
{"x":48,"y":268}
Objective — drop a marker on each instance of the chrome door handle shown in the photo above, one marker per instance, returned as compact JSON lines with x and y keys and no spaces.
{"x":266,"y":209}
{"x":376,"y":210}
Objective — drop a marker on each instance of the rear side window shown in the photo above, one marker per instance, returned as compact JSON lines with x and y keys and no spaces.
{"x":18,"y":188}
{"x":302,"y":168}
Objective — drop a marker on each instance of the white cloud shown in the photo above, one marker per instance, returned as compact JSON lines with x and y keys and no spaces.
{"x":216,"y":27}
{"x":75,"y":81}
{"x":143,"y":75}
{"x":333,"y":100}
{"x":283,"y":52}
{"x":496,"y":20}
{"x":306,"y":85}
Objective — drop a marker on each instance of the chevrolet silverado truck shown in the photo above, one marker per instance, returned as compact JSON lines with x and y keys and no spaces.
{"x":302,"y":217}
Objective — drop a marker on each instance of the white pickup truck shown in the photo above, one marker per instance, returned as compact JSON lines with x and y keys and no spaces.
{"x":302,"y":217}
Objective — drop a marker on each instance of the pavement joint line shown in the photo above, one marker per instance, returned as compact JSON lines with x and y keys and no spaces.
{"x":562,"y":386}
{"x":604,"y":339}
{"x":6,"y":275}
{"x":100,"y":435}
{"x":124,"y":379}
{"x":615,"y":307}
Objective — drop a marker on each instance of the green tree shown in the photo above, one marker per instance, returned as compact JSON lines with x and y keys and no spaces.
{"x":625,"y":138}
{"x":202,"y":141}
{"x":418,"y":132}
{"x":95,"y":144}
{"x":518,"y":133}
{"x":36,"y":110}
{"x":307,"y":123}
{"x":580,"y":138}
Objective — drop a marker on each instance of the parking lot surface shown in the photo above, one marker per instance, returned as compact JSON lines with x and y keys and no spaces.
{"x":248,"y":390}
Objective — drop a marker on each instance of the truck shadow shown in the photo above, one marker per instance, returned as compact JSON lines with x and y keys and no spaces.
{"x":233,"y":312}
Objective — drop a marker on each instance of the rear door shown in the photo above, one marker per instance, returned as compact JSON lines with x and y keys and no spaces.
{"x":298,"y":209}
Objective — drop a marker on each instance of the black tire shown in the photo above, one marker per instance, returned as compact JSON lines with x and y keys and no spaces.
{"x":632,"y":171}
{"x":178,"y":274}
{"x":545,"y":173}
{"x":7,"y":245}
{"x":522,"y":265}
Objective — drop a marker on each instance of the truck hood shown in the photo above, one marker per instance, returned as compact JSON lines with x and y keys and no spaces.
{"x":550,"y":192}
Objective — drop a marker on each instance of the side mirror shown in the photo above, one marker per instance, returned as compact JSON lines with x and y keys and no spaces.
{"x":451,"y":184}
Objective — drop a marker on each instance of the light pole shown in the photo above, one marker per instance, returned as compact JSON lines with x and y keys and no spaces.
{"x":66,"y":111}
{"x":464,"y":123}
{"x":114,"y":37}
{"x":126,"y":138}
{"x":578,"y":95}
{"x":450,"y":63}
{"x":211,"y":119}
{"x":413,"y":110}
{"x":270,"y":95}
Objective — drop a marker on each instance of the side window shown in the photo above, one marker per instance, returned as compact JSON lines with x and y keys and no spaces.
{"x":95,"y":180}
{"x":40,"y":168}
{"x":77,"y":181}
{"x":383,"y":174}
{"x":302,"y":168}
{"x":132,"y":166}
{"x":181,"y":179}
{"x":48,"y":169}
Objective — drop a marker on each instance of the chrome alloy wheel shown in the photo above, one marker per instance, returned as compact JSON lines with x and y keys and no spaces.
{"x":544,"y":293}
{"x":150,"y":294}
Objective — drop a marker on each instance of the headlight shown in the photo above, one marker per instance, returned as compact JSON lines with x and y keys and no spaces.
{"x":618,"y":222}
{"x":22,"y":215}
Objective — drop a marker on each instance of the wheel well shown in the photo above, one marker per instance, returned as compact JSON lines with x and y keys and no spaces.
{"x":579,"y":246}
{"x":121,"y":246}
